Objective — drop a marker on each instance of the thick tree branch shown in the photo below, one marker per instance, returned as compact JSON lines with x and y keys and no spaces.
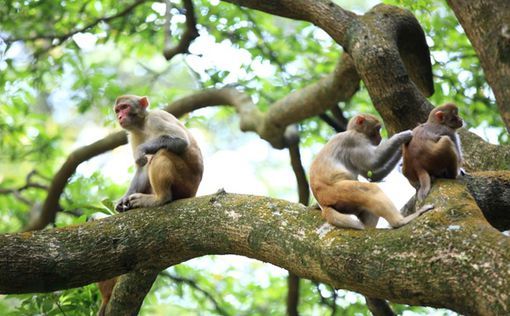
{"x":451,"y":247}
{"x":307,"y":102}
{"x":387,"y":46}
{"x":491,"y":42}
{"x":480,"y":155}
{"x":491,"y":191}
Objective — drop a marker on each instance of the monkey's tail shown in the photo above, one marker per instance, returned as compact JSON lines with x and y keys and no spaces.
{"x":424,"y":178}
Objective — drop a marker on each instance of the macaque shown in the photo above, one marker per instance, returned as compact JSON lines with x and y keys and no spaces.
{"x":105,"y":289}
{"x":334,"y":176}
{"x":434,"y":151}
{"x":168,"y":161}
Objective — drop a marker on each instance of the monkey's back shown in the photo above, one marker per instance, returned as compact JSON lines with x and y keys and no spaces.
{"x":183,"y":170}
{"x":430,"y":151}
{"x":325,"y":170}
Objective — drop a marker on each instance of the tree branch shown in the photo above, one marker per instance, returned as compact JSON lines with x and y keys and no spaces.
{"x":330,"y":89}
{"x":190,"y":33}
{"x":63,"y":37}
{"x":443,"y":247}
{"x":307,"y":102}
{"x":388,"y":49}
{"x":193,"y":284}
{"x":491,"y":43}
{"x":51,"y":203}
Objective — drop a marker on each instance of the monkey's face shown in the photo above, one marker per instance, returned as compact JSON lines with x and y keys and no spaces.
{"x":372,"y":128}
{"x":375,"y":136}
{"x":124,"y":110}
{"x":131,"y":111}
{"x":453,"y":120}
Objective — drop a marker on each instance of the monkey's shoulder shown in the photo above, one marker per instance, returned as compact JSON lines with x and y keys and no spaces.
{"x":158,"y":116}
{"x":432,"y":131}
{"x":352,"y":139}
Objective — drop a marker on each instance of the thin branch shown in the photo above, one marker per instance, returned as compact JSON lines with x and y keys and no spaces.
{"x":193,"y":284}
{"x":187,"y":37}
{"x":63,"y":37}
{"x":30,"y":184}
{"x":338,"y":114}
{"x":331,"y":121}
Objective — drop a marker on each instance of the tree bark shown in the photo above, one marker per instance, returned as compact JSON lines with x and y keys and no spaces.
{"x":487,"y":25}
{"x":449,"y":257}
{"x":388,"y":49}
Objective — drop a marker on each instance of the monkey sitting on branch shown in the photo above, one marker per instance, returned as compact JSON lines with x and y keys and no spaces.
{"x":168,"y":163}
{"x":435,"y":150}
{"x":167,"y":157}
{"x":334,"y":175}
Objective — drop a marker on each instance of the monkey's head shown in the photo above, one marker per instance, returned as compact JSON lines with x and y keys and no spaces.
{"x":131,"y":110}
{"x":368,"y":125}
{"x":447,"y":114}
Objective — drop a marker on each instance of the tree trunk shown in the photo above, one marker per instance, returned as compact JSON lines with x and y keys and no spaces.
{"x":487,"y":25}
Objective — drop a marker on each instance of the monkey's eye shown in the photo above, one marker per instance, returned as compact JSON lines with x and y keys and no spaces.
{"x":121,"y":107}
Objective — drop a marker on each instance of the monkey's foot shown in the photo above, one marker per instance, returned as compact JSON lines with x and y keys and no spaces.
{"x":138,"y":200}
{"x":123,"y":205}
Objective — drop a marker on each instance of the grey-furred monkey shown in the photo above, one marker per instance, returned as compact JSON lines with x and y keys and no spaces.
{"x":168,"y":160}
{"x":334,"y":175}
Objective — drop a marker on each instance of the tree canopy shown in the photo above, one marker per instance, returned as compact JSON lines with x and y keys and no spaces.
{"x":263,"y":85}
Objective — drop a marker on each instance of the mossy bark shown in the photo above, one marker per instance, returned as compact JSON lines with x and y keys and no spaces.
{"x":450,"y":257}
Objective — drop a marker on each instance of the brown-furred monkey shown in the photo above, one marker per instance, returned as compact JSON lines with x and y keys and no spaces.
{"x":175,"y":167}
{"x":168,"y":162}
{"x":434,"y":150}
{"x":334,"y":175}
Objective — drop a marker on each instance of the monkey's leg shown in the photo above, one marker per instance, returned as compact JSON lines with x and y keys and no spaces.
{"x":424,"y":178}
{"x":340,"y":220}
{"x":368,"y":219}
{"x":106,"y":289}
{"x":161,"y":176}
{"x":375,"y":202}
{"x":139,"y":184}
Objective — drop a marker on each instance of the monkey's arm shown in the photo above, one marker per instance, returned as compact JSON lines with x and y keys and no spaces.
{"x":174,"y":144}
{"x":458,"y":147}
{"x":381,"y":172}
{"x":376,"y":162}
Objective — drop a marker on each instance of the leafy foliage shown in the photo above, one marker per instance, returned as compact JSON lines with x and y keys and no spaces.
{"x":65,"y":63}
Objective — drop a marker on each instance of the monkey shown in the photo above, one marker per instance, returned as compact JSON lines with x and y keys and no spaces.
{"x":435,"y":150}
{"x":335,"y":170}
{"x":105,"y":289}
{"x":168,"y":160}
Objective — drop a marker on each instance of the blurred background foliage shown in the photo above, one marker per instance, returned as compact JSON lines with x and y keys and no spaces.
{"x":62,"y":63}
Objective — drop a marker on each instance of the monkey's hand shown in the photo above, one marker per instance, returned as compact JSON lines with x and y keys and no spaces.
{"x":123,"y":205}
{"x":405,"y":136}
{"x":140,"y":158}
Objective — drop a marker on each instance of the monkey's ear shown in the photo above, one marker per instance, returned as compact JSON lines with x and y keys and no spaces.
{"x":439,"y":116}
{"x":360,"y":120}
{"x":144,"y":102}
